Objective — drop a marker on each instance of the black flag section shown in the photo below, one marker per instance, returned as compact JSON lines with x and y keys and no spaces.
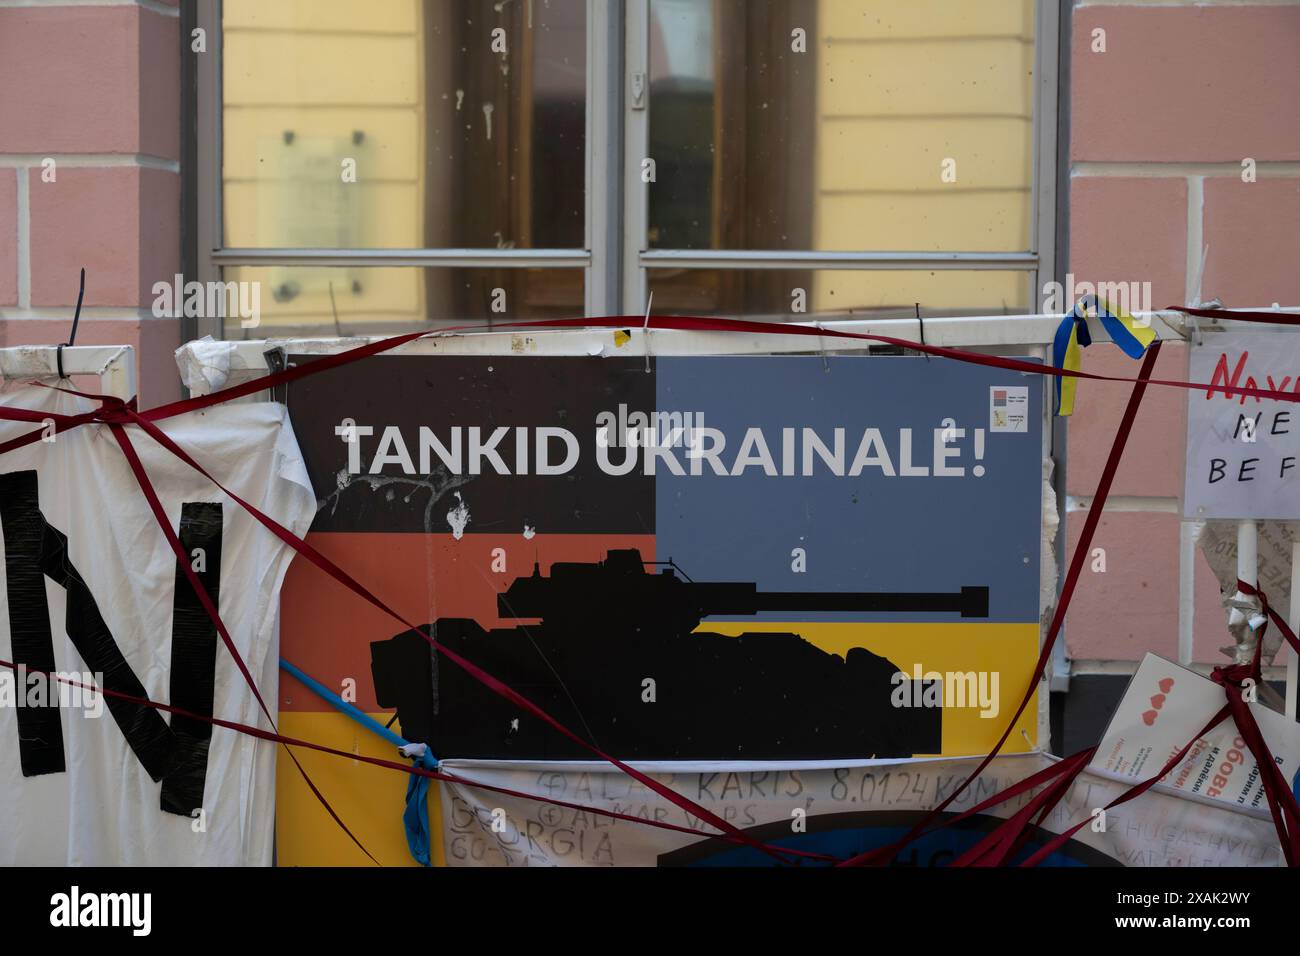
{"x":40,"y":732}
{"x":143,"y":727}
{"x":619,"y":655}
{"x":35,"y":550}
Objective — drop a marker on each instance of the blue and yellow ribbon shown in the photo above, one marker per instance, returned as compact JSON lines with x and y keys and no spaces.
{"x":1072,"y":336}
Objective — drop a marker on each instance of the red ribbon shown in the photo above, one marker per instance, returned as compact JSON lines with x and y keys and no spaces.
{"x":1003,"y":842}
{"x":115,"y":413}
{"x":418,"y":771}
{"x":183,"y":562}
{"x":659,"y":322}
{"x":1131,"y":793}
{"x":1266,"y":318}
{"x":883,"y":855}
{"x":307,"y":551}
{"x":1272,"y":615}
{"x":1281,"y":800}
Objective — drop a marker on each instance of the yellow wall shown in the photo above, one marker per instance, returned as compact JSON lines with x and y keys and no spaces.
{"x":901,"y":87}
{"x":884,"y":126}
{"x":324,"y":69}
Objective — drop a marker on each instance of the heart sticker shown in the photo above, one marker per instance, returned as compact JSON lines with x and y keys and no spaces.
{"x":1166,"y":684}
{"x":1149,"y":717}
{"x":1158,"y":701}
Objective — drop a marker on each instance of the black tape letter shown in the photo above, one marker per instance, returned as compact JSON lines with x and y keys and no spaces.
{"x":194,"y":656}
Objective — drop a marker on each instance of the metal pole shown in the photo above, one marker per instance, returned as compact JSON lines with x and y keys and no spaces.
{"x":1248,"y":572}
{"x":1247,"y":552}
{"x":1186,"y":594}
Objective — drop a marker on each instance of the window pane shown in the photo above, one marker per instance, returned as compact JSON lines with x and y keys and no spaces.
{"x":842,"y":147}
{"x":454,"y":144}
{"x":839,"y":293}
{"x":303,"y":300}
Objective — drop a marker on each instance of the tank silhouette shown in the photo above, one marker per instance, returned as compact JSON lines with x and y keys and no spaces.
{"x":617,"y":659}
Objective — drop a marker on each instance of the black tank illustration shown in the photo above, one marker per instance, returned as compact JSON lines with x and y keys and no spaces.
{"x":617,"y":659}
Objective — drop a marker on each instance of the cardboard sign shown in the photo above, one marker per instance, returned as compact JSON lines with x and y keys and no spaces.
{"x":724,"y":558}
{"x":1166,"y":704}
{"x":1243,"y":453}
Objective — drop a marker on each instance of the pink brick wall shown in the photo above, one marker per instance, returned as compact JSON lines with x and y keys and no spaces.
{"x":8,"y":239}
{"x":95,"y":89}
{"x":1253,"y":230}
{"x":1161,"y":122}
{"x":1182,"y":82}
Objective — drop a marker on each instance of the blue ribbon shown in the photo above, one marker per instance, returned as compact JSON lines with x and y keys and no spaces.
{"x":415,"y":818}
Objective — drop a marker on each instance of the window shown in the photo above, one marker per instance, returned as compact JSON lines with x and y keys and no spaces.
{"x":381,"y":167}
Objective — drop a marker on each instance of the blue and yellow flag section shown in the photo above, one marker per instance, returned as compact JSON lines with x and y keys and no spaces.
{"x":1072,"y":336}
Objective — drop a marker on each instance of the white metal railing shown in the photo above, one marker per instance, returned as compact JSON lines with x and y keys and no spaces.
{"x":967,"y":331}
{"x":114,"y":364}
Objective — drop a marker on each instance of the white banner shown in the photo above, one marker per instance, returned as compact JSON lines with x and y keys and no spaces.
{"x":836,"y":810}
{"x":92,"y":590}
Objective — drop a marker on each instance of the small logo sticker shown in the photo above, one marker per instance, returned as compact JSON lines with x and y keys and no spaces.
{"x":1009,"y":408}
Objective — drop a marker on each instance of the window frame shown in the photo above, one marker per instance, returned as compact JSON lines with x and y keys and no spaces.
{"x":616,"y":259}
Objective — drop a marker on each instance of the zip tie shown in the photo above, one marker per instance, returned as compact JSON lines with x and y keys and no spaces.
{"x":921,"y":322}
{"x":645,"y":331}
{"x":76,"y":318}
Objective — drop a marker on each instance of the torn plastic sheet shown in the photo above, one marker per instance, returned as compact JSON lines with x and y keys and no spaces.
{"x":204,"y":364}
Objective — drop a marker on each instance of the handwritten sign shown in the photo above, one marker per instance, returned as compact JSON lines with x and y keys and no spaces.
{"x":835,"y":810}
{"x":1243,"y":453}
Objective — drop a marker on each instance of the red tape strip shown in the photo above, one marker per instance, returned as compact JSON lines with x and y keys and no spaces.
{"x":417,"y":771}
{"x":183,"y":562}
{"x":114,"y":412}
{"x":885,"y":854}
